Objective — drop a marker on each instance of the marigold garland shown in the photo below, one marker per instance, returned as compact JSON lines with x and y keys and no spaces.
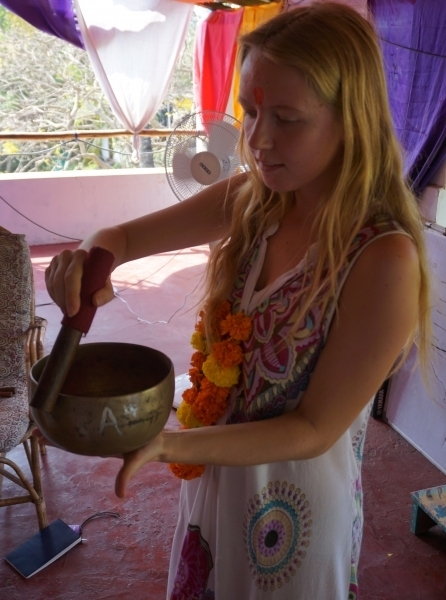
{"x":213,"y":372}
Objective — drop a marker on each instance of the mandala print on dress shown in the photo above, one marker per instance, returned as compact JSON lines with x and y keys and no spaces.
{"x":276,"y":529}
{"x":194,"y":568}
{"x":353,"y":592}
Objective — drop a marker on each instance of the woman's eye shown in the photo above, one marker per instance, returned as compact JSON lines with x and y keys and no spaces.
{"x":283,"y":119}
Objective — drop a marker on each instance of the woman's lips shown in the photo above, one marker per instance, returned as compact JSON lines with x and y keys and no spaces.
{"x":266,"y":167}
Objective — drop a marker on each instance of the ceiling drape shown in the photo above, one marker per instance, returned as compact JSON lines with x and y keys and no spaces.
{"x":214,"y":57}
{"x":55,"y":17}
{"x":413,"y":39}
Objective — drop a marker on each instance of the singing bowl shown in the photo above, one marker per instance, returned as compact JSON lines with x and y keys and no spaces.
{"x":115,"y":399}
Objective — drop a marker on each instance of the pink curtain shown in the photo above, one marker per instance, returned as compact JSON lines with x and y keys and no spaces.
{"x":214,"y":57}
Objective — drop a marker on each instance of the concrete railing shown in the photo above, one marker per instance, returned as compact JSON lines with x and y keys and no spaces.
{"x":76,"y":203}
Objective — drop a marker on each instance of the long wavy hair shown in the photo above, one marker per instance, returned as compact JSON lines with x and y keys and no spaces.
{"x":337,"y":51}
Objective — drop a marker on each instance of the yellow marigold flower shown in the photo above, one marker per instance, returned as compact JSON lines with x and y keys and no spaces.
{"x":198,"y":342}
{"x":186,"y":416}
{"x":216,"y":374}
{"x":238,"y":326}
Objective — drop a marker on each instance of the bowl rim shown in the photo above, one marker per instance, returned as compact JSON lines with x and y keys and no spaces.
{"x":170,"y":374}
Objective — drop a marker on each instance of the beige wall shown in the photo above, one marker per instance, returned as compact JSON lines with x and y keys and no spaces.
{"x":433,"y":200}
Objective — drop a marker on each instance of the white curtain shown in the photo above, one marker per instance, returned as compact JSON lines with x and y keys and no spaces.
{"x":133,"y":46}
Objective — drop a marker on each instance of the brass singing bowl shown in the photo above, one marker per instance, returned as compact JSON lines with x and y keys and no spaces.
{"x":115,"y":399}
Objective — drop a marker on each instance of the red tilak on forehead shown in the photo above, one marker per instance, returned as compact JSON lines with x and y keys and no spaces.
{"x":258,"y":95}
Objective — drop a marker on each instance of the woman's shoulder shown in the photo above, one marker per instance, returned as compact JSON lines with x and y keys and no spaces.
{"x":393,"y":256}
{"x":383,"y":250}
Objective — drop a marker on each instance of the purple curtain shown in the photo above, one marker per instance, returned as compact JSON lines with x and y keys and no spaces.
{"x":413,"y":38}
{"x":55,"y":17}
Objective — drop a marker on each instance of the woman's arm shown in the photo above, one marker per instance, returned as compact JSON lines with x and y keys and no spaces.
{"x":377,"y":313}
{"x":201,"y":219}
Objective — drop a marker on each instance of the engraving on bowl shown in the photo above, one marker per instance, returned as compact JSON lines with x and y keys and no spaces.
{"x":108,"y":419}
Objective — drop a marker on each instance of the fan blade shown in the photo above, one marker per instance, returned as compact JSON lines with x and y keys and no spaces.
{"x":184,"y":189}
{"x":223,"y":138}
{"x":181,"y":165}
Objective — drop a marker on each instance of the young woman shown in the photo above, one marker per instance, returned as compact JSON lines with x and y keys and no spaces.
{"x":314,"y":294}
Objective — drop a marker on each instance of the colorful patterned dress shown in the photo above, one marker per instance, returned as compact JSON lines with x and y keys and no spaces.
{"x":287,"y":530}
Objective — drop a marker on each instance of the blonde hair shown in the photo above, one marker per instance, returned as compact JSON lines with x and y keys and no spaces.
{"x":337,"y":51}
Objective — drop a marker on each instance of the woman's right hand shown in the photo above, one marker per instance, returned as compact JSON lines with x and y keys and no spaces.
{"x":63,"y":281}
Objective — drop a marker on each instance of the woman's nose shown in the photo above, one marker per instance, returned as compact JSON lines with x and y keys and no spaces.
{"x":258,"y":134}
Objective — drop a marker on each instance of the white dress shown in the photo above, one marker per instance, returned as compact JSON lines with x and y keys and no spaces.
{"x":280,"y":531}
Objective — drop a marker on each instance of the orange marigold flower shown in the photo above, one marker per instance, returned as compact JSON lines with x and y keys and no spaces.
{"x":210,"y":403}
{"x":197,"y":360}
{"x":223,"y":310}
{"x":190,"y":395}
{"x":238,"y":326}
{"x":187,"y":471}
{"x":195,"y":376}
{"x":212,"y":375}
{"x":199,"y":326}
{"x":209,"y":415}
{"x":185,"y":416}
{"x":228,"y":353}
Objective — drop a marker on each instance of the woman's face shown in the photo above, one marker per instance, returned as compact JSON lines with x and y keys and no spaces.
{"x":295,"y":139}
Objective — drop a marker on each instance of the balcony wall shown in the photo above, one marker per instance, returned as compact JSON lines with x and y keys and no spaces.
{"x":77,"y":203}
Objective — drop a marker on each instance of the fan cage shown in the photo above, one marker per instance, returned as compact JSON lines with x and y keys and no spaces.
{"x":191,"y":135}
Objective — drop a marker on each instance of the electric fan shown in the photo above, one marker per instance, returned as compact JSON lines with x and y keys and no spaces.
{"x":201,"y":150}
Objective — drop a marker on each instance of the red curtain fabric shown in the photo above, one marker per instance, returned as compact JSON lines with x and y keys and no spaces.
{"x":214,"y":57}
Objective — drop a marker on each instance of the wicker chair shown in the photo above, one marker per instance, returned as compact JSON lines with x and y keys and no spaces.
{"x":21,"y":344}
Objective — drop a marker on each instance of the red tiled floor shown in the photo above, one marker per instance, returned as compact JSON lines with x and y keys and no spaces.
{"x":127,"y":558}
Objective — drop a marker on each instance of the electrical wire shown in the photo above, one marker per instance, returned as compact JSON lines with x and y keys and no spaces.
{"x":37,"y":224}
{"x":151,"y":274}
{"x":123,"y":153}
{"x":97,"y":516}
{"x":73,"y":141}
{"x":141,"y":320}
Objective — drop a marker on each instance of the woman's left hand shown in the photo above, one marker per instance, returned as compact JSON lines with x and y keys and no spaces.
{"x":133,"y":461}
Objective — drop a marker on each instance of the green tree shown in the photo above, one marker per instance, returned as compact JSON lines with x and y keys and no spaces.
{"x":48,"y":85}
